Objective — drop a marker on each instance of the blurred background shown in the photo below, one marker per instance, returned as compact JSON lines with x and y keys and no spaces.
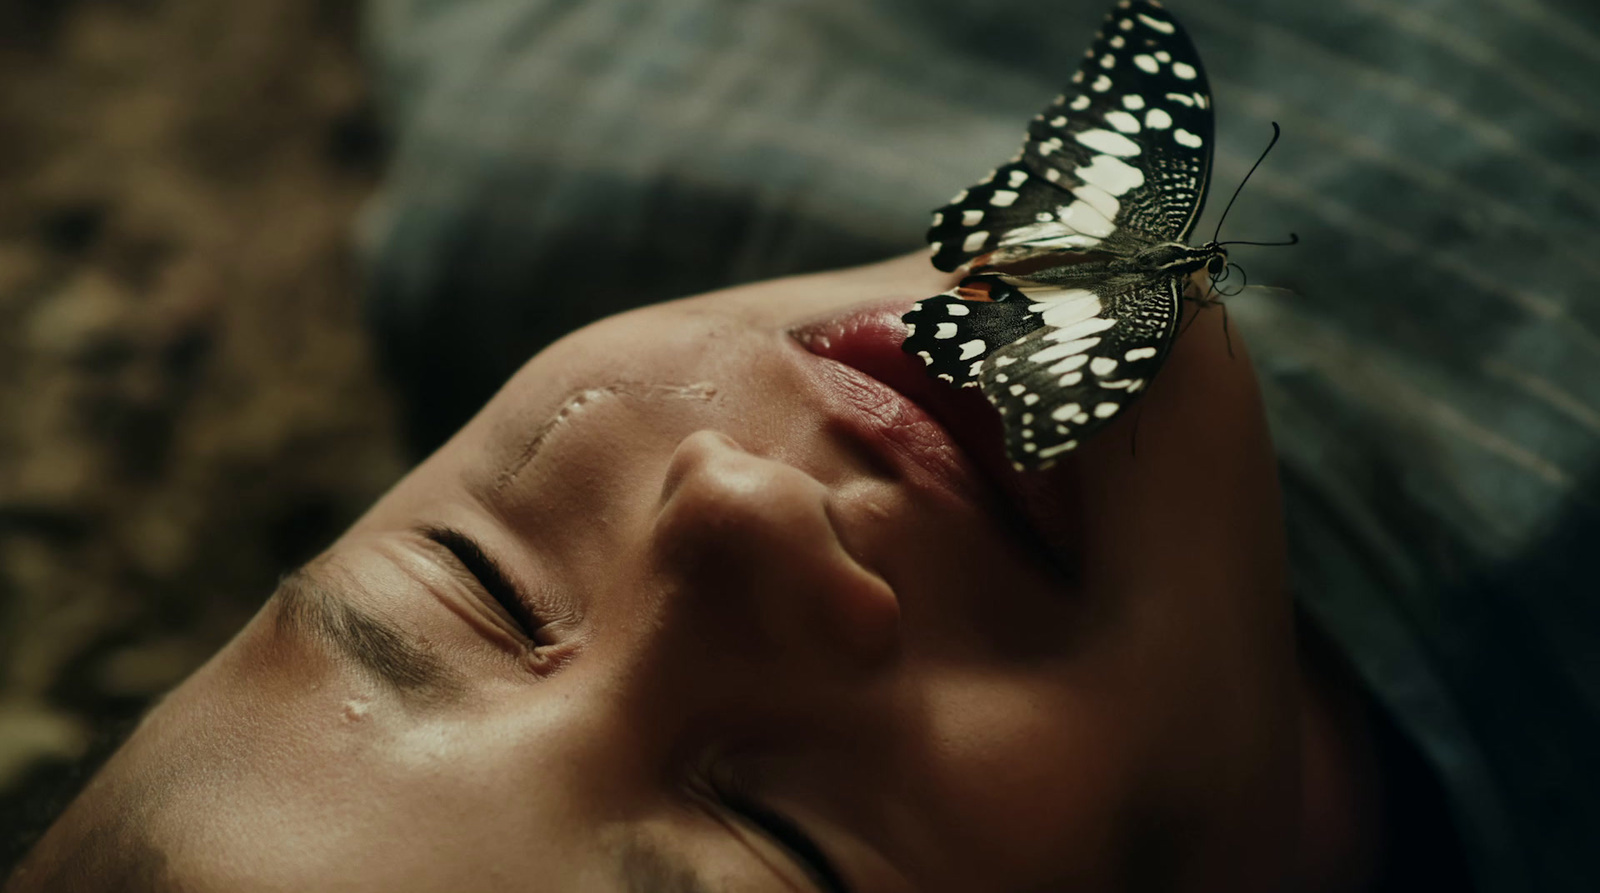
{"x":188,"y":405}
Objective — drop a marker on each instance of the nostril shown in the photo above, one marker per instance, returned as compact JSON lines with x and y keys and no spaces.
{"x":693,"y":452}
{"x":712,"y":483}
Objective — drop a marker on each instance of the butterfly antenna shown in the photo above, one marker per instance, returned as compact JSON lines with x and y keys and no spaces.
{"x":1242,"y":285}
{"x":1273,"y":142}
{"x":1292,"y":240}
{"x":1199,"y":302}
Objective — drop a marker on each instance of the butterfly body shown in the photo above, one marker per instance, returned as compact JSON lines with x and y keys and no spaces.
{"x":1161,"y":259}
{"x":1077,"y":247}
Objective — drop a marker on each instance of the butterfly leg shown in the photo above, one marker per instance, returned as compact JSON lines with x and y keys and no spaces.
{"x":1207,"y":303}
{"x":1227,"y":337}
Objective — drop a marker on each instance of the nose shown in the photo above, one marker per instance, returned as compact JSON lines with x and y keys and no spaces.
{"x":757,"y":564}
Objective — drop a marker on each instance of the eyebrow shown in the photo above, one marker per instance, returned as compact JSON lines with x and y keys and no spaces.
{"x":308,"y":604}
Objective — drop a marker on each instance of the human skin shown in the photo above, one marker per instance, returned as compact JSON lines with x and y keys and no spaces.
{"x":741,"y":580}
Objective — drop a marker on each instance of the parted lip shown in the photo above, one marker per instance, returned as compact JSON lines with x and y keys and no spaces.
{"x":952,"y":436}
{"x":968,"y":452}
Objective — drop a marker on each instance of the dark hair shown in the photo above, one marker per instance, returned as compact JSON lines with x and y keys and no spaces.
{"x":113,"y":854}
{"x":108,"y":851}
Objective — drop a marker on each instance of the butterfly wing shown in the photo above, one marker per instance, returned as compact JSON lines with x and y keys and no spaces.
{"x":955,"y":332}
{"x":1121,"y":159}
{"x":1088,"y":354}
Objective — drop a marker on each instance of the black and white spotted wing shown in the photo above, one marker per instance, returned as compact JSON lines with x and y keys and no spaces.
{"x":1077,"y":244}
{"x":1119,"y":160}
{"x":954,"y":335}
{"x":1059,"y":363}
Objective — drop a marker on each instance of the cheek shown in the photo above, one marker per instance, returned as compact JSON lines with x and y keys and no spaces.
{"x":1036,"y":776}
{"x":1183,"y":553}
{"x":1177,"y":531}
{"x":1197,"y":537}
{"x":1201,"y":493}
{"x":973,"y":590}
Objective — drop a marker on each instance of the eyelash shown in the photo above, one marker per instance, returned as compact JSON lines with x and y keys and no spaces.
{"x":490,"y":577}
{"x":734,"y":795}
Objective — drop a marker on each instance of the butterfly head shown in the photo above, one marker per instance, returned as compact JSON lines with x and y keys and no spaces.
{"x":1211,"y":258}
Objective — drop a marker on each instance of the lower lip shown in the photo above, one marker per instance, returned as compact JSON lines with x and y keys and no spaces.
{"x":888,"y":397}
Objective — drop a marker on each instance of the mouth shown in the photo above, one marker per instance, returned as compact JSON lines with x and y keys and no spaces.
{"x":953,"y":434}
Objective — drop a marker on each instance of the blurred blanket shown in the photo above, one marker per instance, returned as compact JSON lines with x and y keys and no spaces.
{"x":1434,"y":392}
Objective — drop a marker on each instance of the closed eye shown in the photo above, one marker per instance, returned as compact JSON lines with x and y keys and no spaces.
{"x":490,"y":575}
{"x":788,"y":835}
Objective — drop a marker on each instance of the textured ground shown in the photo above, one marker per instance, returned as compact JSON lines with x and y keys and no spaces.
{"x":187,"y":404}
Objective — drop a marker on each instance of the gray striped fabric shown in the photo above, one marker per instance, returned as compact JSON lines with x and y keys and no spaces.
{"x":1434,"y":389}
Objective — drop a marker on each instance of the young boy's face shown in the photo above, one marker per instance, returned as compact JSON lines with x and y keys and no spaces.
{"x":774,"y":603}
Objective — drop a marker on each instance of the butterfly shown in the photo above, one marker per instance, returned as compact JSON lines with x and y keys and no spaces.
{"x":1077,"y":247}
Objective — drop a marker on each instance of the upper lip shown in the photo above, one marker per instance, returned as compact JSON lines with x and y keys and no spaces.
{"x":952,"y":437}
